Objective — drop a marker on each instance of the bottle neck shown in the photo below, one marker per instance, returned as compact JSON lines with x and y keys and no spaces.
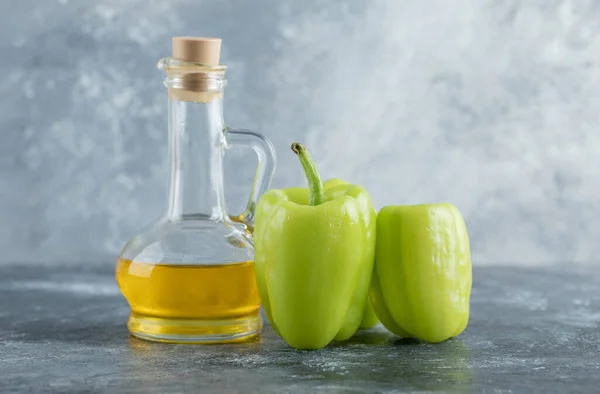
{"x":195,"y":141}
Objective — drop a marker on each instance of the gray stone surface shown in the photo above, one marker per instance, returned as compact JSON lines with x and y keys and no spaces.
{"x":489,"y":104}
{"x":62,"y":329}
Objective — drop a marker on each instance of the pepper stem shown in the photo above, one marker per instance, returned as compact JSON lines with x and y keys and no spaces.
{"x":315,"y":185}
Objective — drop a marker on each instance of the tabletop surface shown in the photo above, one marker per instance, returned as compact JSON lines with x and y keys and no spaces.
{"x":63,"y":329}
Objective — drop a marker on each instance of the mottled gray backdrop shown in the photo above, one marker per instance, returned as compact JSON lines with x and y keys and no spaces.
{"x":493,"y":105}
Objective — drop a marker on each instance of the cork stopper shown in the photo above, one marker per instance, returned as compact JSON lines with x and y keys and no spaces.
{"x":202,"y":50}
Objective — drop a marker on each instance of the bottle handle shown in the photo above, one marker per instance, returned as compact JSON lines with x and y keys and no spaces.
{"x":265,"y":170}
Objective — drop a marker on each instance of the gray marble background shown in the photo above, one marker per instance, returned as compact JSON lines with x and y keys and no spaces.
{"x":490,"y":104}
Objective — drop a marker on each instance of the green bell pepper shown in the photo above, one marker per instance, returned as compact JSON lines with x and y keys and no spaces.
{"x":369,"y":318}
{"x":421,"y":282}
{"x":313,"y":257}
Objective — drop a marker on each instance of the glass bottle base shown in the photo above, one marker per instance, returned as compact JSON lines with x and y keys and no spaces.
{"x":200,"y":331}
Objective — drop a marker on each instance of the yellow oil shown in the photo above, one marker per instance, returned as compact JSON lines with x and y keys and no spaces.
{"x":190,"y":303}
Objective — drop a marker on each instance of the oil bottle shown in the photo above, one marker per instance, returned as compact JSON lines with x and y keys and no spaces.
{"x":189,"y":276}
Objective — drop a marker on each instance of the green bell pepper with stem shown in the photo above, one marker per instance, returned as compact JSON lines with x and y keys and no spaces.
{"x":422,"y":279}
{"x":313,"y":256}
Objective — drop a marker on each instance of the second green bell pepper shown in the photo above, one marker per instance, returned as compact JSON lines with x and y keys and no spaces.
{"x":421,"y":282}
{"x":313,"y":255}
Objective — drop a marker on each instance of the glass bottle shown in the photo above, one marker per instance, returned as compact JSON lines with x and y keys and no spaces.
{"x":189,"y":276}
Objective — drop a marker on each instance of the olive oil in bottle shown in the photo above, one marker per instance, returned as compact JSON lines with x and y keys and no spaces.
{"x":164,"y":298}
{"x":189,"y":276}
